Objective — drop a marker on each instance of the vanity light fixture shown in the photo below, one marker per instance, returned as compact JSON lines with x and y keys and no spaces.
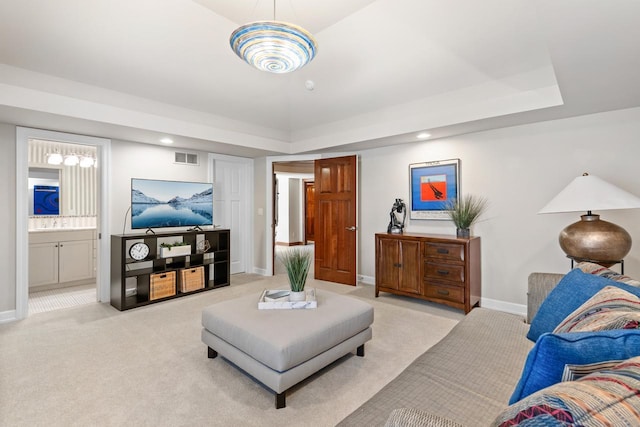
{"x":71,"y":160}
{"x":55,"y":158}
{"x":423,"y":135}
{"x":87,"y":162}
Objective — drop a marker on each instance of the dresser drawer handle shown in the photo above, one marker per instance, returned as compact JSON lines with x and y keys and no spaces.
{"x":443,"y":292}
{"x":443,"y":251}
{"x":443,"y":272}
{"x":397,"y":264}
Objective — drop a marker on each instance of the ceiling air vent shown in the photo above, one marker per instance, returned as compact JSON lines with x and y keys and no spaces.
{"x":186,"y":158}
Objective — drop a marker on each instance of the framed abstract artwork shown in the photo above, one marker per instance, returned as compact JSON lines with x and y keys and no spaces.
{"x":433,"y":184}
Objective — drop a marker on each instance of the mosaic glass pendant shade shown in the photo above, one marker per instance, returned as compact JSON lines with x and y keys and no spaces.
{"x":273,"y":46}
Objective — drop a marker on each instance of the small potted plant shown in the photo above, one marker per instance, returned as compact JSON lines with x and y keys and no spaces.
{"x":168,"y":250}
{"x":297,"y":263}
{"x":464,"y":212}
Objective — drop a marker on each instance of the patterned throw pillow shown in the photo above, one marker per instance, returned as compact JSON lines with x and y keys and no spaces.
{"x":550,"y":355}
{"x":598,"y":270}
{"x":605,"y":398}
{"x":575,"y":288}
{"x":610,"y":308}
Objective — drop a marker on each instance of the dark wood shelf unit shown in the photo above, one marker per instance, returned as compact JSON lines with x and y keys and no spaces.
{"x":127,"y":273}
{"x":438,"y":268}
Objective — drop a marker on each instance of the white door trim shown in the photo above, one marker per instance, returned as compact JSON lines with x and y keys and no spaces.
{"x":22,"y":212}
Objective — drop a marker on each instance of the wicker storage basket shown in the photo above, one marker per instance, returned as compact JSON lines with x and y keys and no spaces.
{"x":191,"y":279}
{"x":162,"y":285}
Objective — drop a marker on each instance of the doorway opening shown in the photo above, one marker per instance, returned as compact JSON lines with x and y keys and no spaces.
{"x":293,"y":182}
{"x":72,"y":218}
{"x":62,"y":224}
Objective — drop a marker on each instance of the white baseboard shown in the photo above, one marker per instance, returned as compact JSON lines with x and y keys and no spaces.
{"x":8,"y":316}
{"x":509,"y":307}
{"x":260,"y":271}
{"x":367,"y":280}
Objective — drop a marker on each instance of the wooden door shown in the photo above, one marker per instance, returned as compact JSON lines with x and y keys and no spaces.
{"x":335,"y":220}
{"x":309,"y":211}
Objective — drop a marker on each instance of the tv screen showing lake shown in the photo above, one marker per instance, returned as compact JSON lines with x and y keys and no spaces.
{"x":157,"y":204}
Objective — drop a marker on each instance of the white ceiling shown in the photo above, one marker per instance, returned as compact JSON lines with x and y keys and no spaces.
{"x":385,"y":70}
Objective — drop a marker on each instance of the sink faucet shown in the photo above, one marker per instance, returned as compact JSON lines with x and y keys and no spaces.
{"x":55,"y":223}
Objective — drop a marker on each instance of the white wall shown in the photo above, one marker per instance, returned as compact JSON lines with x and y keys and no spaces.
{"x":7,"y":219}
{"x":519,"y":170}
{"x":133,"y":160}
{"x":282,"y":226}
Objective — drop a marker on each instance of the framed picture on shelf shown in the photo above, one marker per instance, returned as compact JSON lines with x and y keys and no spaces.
{"x":433,"y":184}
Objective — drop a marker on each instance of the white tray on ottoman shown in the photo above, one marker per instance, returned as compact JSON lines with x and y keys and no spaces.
{"x":280,"y":348}
{"x":265,"y":303}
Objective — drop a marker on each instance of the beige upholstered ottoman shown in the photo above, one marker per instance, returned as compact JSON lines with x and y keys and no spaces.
{"x":280,"y":348}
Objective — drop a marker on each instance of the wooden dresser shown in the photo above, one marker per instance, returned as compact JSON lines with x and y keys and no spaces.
{"x":437,"y":268}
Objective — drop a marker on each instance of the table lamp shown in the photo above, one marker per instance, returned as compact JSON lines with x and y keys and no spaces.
{"x":592,"y":239}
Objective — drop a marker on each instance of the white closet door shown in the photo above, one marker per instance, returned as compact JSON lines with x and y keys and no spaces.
{"x":230,"y":207}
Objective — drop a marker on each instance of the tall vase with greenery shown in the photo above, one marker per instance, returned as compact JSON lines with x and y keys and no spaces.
{"x":465,"y":211}
{"x":297,"y":263}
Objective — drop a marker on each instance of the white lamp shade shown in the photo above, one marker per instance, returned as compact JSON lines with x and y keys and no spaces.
{"x":590,"y":193}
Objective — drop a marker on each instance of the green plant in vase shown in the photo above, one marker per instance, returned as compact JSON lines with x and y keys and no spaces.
{"x":174,"y":244}
{"x":174,"y":249}
{"x":297,"y":263}
{"x":465,"y":211}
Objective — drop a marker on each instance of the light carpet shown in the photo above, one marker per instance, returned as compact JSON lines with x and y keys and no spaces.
{"x":95,"y":366}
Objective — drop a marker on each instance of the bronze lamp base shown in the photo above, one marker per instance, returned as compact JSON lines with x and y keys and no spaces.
{"x":592,"y":239}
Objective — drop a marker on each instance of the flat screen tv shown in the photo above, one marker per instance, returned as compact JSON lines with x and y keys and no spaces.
{"x":160,"y":204}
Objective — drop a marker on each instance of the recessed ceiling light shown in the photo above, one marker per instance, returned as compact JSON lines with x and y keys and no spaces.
{"x":423,"y":135}
{"x":166,"y":141}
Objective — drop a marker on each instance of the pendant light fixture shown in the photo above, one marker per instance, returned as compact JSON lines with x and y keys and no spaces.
{"x":274,"y":46}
